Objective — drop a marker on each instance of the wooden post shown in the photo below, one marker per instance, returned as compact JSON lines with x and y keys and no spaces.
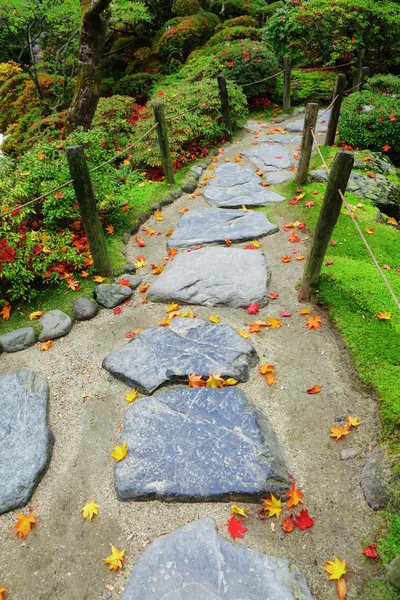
{"x":223,"y":94}
{"x":330,"y":210}
{"x":162,"y":134}
{"x":335,"y":110}
{"x":287,"y":64}
{"x":364,"y":77}
{"x":88,"y":209}
{"x":310,"y":121}
{"x":357,"y":76}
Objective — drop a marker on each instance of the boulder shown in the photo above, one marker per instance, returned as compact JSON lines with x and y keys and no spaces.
{"x":129,"y":268}
{"x":134,"y":280}
{"x":375,"y":477}
{"x":55,"y":324}
{"x":110,"y":295}
{"x":189,"y":185}
{"x":17,"y":340}
{"x":376,"y":161}
{"x":84,"y":309}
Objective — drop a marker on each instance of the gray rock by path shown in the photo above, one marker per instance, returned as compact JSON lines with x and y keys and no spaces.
{"x":322,"y":123}
{"x":134,"y":280}
{"x":55,"y":324}
{"x":199,"y":444}
{"x":195,"y":563}
{"x":349,"y":453}
{"x":382,"y":192}
{"x":129,"y":268}
{"x":17,"y":340}
{"x":270,"y":157}
{"x":169,"y":354}
{"x":110,"y":295}
{"x":189,"y":185}
{"x":84,"y":309}
{"x":393,"y":572}
{"x":375,"y":477}
{"x":214,"y":276}
{"x":215,"y":225}
{"x":235,"y":186}
{"x":25,"y":437}
{"x":377,"y":162}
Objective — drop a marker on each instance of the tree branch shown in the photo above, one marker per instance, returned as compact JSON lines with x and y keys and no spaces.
{"x":97,"y":8}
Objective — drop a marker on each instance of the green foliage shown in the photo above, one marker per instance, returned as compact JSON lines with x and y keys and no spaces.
{"x":138,"y":86}
{"x":370,"y":120}
{"x":128,"y":14}
{"x":182,"y":35}
{"x":379,"y":589}
{"x":234,"y":33}
{"x":273,"y":7}
{"x":312,"y":86}
{"x":321,"y":31}
{"x":384,"y":84}
{"x":243,"y":21}
{"x":236,"y":8}
{"x":185,"y":8}
{"x":389,"y":544}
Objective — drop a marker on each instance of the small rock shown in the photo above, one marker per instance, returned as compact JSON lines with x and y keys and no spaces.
{"x":17,"y":340}
{"x":189,"y":185}
{"x":202,"y":165}
{"x":349,"y":453}
{"x":393,"y":572}
{"x":155,"y":206}
{"x":84,"y":309}
{"x":134,"y":280}
{"x":176,"y":194}
{"x":143,"y":217}
{"x":214,"y":152}
{"x":167,"y":200}
{"x":110,"y":295}
{"x":208,"y":160}
{"x":127,"y":237}
{"x":375,"y":477}
{"x":129,"y":268}
{"x":55,"y":324}
{"x":197,"y":170}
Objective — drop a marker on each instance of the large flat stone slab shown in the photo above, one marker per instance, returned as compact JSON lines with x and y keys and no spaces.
{"x":215,"y":225}
{"x":284,"y":138}
{"x":195,"y":563}
{"x":198,"y":445}
{"x":169,"y":354}
{"x":235,"y":186}
{"x":214,"y":276}
{"x":25,"y":437}
{"x":322,"y":123}
{"x":270,"y":157}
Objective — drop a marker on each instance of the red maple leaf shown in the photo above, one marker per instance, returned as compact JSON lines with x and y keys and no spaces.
{"x":235,"y":527}
{"x":252,"y":309}
{"x":386,"y":147}
{"x":303,"y":520}
{"x":311,"y":203}
{"x":117,"y":310}
{"x":370,"y":551}
{"x":284,"y":313}
{"x":392,"y":117}
{"x":294,"y":201}
{"x":372,"y":175}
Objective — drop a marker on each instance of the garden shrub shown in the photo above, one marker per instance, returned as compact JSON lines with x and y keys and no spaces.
{"x":8,"y":69}
{"x":144,"y":60}
{"x":272,"y":8}
{"x":182,"y":35}
{"x":185,"y":8}
{"x":107,"y":86}
{"x":243,"y":21}
{"x":138,"y":86}
{"x":323,"y":32}
{"x":370,"y":120}
{"x":235,"y":33}
{"x":307,"y":86}
{"x":384,"y":84}
{"x":237,"y":8}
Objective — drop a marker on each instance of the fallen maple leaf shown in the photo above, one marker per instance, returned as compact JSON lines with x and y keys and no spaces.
{"x":273,"y":295}
{"x":236,"y":510}
{"x":2,"y":590}
{"x":196,"y":381}
{"x":256,"y":244}
{"x":352,"y":421}
{"x":73,"y":284}
{"x":24,"y":524}
{"x":124,"y":282}
{"x":90,"y":510}
{"x":110,"y":229}
{"x":131,"y":396}
{"x":144,"y":288}
{"x":215,"y":381}
{"x":391,"y":221}
{"x":339,"y":432}
{"x":253,"y":308}
{"x":157,"y":269}
{"x":286,"y":258}
{"x":172,"y":306}
{"x":386,"y":147}
{"x":315,"y":192}
{"x":274,"y":323}
{"x":273,"y":506}
{"x":284,"y":313}
{"x":117,"y":310}
{"x":303,"y":520}
{"x":370,"y":551}
{"x":169,"y":232}
{"x":189,"y":314}
{"x":305,"y":311}
{"x":288,"y":524}
{"x":119,"y":452}
{"x":392,"y":117}
{"x":254,"y":327}
{"x":158,"y":215}
{"x":336,"y":568}
{"x":165,"y":322}
{"x":314,"y":390}
{"x":228,"y":242}
{"x":46,"y":346}
{"x":214,"y":319}
{"x":36,"y":315}
{"x":84,"y":274}
{"x":98,"y":279}
{"x":183,"y":210}
{"x":140,"y":263}
{"x":300,"y":257}
{"x":384,"y":315}
{"x":295,"y":496}
{"x":370,"y":230}
{"x":341,"y":588}
{"x":293,"y":237}
{"x":309,"y":204}
{"x":314,"y":322}
{"x":172,"y":252}
{"x":294,"y":201}
{"x":236,"y":528}
{"x":386,"y":267}
{"x":116,"y":559}
{"x":243,"y":333}
{"x":140,"y":242}
{"x":371,"y":175}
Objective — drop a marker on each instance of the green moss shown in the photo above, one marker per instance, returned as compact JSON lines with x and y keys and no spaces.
{"x":389,"y":544}
{"x":378,"y":589}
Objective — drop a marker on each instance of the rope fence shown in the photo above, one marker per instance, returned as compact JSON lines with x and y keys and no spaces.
{"x":265,"y":79}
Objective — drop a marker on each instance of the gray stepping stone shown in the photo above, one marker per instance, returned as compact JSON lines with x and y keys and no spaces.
{"x":55,"y":324}
{"x":284,"y":138}
{"x":169,"y":354}
{"x":270,"y":157}
{"x":215,"y":225}
{"x":199,"y":445}
{"x":110,"y":295}
{"x":214,"y":276}
{"x":275,"y":177}
{"x":322,"y":124}
{"x":25,"y":437}
{"x":84,"y":309}
{"x":235,"y":186}
{"x":17,"y":340}
{"x":195,"y":563}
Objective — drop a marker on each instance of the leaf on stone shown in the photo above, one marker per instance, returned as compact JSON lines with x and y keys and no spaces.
{"x":116,"y":559}
{"x":214,"y":319}
{"x":188,"y":314}
{"x":303,"y":520}
{"x":253,"y":308}
{"x":46,"y":346}
{"x":293,"y":237}
{"x":273,"y":295}
{"x":286,"y":258}
{"x":24,"y":524}
{"x":274,"y":323}
{"x":243,"y":333}
{"x":215,"y":381}
{"x":314,"y":322}
{"x":273,"y":506}
{"x":236,"y":528}
{"x":288,"y":524}
{"x":172,"y":252}
{"x":338,"y":432}
{"x":98,"y":279}
{"x":131,"y":396}
{"x":315,"y":389}
{"x":119,"y":452}
{"x":236,"y":510}
{"x":384,"y":315}
{"x":336,"y":568}
{"x":196,"y":381}
{"x":341,"y":588}
{"x":157,"y":269}
{"x":90,"y":510}
{"x":370,"y":551}
{"x":305,"y":311}
{"x":158,"y":215}
{"x":36,"y":315}
{"x":230,"y":381}
{"x":352,"y":421}
{"x":140,"y":242}
{"x":172,"y":306}
{"x":124,"y":282}
{"x":371,"y":175}
{"x":295,"y":496}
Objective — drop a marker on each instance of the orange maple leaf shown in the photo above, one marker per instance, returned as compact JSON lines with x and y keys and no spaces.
{"x":110,"y":229}
{"x":158,"y":215}
{"x":286,"y":258}
{"x":2,"y":590}
{"x":164,"y":322}
{"x":140,"y":242}
{"x":157,"y":269}
{"x":254,"y":327}
{"x":370,"y":230}
{"x":293,"y":237}
{"x":288,"y":524}
{"x":144,"y":288}
{"x":149,"y":232}
{"x":314,"y":390}
{"x":295,"y":496}
{"x":228,"y":242}
{"x":314,"y":322}
{"x":172,"y":252}
{"x":23,"y":526}
{"x":183,"y":210}
{"x":384,"y":315}
{"x":274,"y":323}
{"x":169,"y":232}
{"x":5,"y":312}
{"x":196,"y":381}
{"x":339,"y":432}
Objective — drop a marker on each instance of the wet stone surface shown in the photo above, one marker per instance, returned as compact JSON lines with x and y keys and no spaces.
{"x":270,"y":157}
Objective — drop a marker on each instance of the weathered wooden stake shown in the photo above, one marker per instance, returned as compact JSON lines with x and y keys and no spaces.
{"x":330,"y":210}
{"x":88,"y":209}
{"x":357,"y":76}
{"x":287,"y":64}
{"x":162,"y":134}
{"x":223,"y":94}
{"x":335,"y":110}
{"x":364,"y":77}
{"x":310,"y":121}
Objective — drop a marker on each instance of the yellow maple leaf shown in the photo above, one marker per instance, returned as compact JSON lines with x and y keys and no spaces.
{"x":90,"y":510}
{"x":274,"y":323}
{"x":230,"y":381}
{"x":391,"y":221}
{"x":336,"y":568}
{"x":2,"y":590}
{"x":215,"y":381}
{"x":131,"y":396}
{"x":243,"y":333}
{"x":44,"y":238}
{"x":119,"y":452}
{"x":256,"y":244}
{"x":157,"y":269}
{"x":352,"y":421}
{"x":214,"y":319}
{"x":189,"y":314}
{"x":140,"y":263}
{"x":46,"y":346}
{"x":236,"y":510}
{"x":116,"y":559}
{"x":339,"y":432}
{"x":98,"y":279}
{"x":305,"y":311}
{"x":273,"y":506}
{"x":23,"y":526}
{"x":36,"y":315}
{"x":158,"y":215}
{"x":384,"y":315}
{"x":172,"y":307}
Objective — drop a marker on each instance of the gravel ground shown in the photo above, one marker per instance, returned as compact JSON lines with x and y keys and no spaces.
{"x":63,"y":558}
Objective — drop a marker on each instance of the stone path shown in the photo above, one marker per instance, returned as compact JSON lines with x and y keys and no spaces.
{"x":199,"y":444}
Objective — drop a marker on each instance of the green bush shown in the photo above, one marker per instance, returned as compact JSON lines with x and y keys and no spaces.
{"x":138,"y":86}
{"x":185,"y":8}
{"x":312,"y":86}
{"x":237,"y":8}
{"x":370,"y":120}
{"x":384,"y":84}
{"x":323,"y":32}
{"x":234,"y":33}
{"x":182,"y":35}
{"x":243,"y":21}
{"x":272,"y":8}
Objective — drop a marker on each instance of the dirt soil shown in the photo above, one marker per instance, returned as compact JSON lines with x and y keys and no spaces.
{"x":63,"y":558}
